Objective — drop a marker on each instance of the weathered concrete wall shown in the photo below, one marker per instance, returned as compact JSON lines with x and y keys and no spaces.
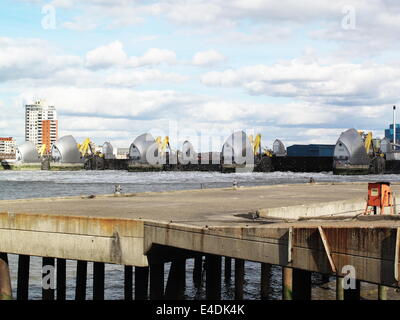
{"x":79,"y":238}
{"x":371,"y":251}
{"x":333,"y":208}
{"x":252,"y":244}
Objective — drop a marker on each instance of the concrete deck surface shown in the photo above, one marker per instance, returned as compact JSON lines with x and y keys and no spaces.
{"x":193,"y":207}
{"x":211,"y":207}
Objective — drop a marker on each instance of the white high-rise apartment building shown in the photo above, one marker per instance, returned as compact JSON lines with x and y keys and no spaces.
{"x":7,"y":146}
{"x":41,"y":124}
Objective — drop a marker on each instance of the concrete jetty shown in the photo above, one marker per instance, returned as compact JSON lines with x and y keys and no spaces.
{"x":315,"y":227}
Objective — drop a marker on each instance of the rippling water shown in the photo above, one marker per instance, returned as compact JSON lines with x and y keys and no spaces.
{"x":34,"y":184}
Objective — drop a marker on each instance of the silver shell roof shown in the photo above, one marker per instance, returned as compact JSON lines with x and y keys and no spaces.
{"x":354,"y":144}
{"x":108,"y":150}
{"x":141,"y":148}
{"x":278,"y":148}
{"x":189,"y":155}
{"x":65,"y":150}
{"x":386,"y":145}
{"x":237,"y":148}
{"x":27,"y":152}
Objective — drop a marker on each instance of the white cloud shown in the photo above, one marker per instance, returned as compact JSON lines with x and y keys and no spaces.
{"x":339,"y":84}
{"x":377,"y":23}
{"x":80,"y":23}
{"x":114,"y":55}
{"x":34,"y":63}
{"x":264,"y":34}
{"x":110,"y":102}
{"x":31,"y":58}
{"x":150,"y":37}
{"x":153,"y":56}
{"x":208,"y":58}
{"x":106,"y":56}
{"x":168,"y":104}
{"x":194,"y":12}
{"x":118,"y":114}
{"x":134,"y":78}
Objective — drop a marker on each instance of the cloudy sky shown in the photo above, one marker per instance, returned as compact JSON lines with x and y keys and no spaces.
{"x":301,"y":71}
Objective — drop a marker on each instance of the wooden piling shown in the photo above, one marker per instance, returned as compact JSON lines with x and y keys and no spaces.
{"x":265,"y":280}
{"x":339,"y":288}
{"x":197,"y":271}
{"x":4,"y":257}
{"x":5,"y":279}
{"x":296,"y":284}
{"x":175,"y":289}
{"x":61,"y":279}
{"x":227,"y":269}
{"x":48,"y":286}
{"x":239,"y":278}
{"x":382,"y":292}
{"x":287,"y":283}
{"x":213,"y":277}
{"x":81,"y":275}
{"x":325,"y":278}
{"x":347,"y":294}
{"x":353,"y":294}
{"x":301,"y":288}
{"x":23,"y":277}
{"x":128,"y":282}
{"x":157,"y":281}
{"x":141,"y":283}
{"x":98,"y":280}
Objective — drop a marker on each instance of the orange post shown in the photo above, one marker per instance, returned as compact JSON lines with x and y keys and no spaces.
{"x":379,"y":195}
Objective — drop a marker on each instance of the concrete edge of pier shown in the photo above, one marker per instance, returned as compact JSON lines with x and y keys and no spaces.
{"x":333,"y":208}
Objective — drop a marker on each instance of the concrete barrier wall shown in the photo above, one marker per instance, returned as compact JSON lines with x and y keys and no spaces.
{"x":106,"y":240}
{"x":334,"y":208}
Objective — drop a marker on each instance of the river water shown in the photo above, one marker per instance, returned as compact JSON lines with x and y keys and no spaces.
{"x":39,"y":184}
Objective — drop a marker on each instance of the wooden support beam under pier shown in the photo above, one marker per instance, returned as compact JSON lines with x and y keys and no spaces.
{"x":98,"y":280}
{"x":61,"y":279}
{"x":23,"y":277}
{"x":239,"y":278}
{"x":157,"y":281}
{"x":5,"y":278}
{"x":141,"y":283}
{"x":213,"y":277}
{"x":81,"y":278}
{"x":48,"y":278}
{"x":128,"y":283}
